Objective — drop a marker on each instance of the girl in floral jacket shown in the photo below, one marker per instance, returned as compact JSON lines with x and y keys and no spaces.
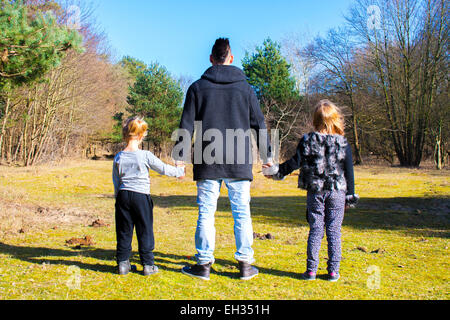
{"x":324,"y":158}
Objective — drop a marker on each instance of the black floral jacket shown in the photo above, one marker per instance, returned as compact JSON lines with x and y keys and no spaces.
{"x":325,"y":163}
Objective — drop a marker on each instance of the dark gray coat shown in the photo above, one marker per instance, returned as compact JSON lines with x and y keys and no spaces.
{"x":325,"y":163}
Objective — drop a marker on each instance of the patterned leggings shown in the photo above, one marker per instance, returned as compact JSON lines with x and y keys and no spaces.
{"x":325,"y":212}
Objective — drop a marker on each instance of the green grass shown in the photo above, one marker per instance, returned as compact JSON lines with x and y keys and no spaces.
{"x":404,"y":212}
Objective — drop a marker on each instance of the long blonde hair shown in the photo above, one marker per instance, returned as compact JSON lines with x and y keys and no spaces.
{"x":134,"y":127}
{"x":328,"y":117}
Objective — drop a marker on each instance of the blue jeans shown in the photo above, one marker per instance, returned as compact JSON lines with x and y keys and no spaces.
{"x":205,"y":236}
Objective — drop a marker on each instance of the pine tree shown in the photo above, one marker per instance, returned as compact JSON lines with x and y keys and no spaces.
{"x":30,"y":44}
{"x":157,"y":97}
{"x":269,"y":74}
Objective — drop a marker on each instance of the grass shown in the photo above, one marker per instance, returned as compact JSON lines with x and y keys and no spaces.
{"x":403,"y":212}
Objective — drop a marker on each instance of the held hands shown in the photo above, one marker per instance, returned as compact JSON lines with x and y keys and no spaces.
{"x":267,"y":166}
{"x":271,"y":171}
{"x":180,"y":164}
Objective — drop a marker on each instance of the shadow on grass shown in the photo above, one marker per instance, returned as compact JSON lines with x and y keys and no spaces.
{"x":412,"y":216}
{"x":428,"y":217}
{"x":39,"y":255}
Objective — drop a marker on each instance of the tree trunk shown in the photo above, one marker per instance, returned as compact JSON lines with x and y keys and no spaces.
{"x":438,"y":152}
{"x":2,"y":133}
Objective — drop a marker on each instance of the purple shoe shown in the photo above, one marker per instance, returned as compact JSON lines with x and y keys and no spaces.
{"x":309,"y":276}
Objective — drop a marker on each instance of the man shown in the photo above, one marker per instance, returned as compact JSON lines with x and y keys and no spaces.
{"x":222,"y":101}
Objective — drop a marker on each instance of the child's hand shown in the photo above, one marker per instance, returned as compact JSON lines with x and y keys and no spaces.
{"x":351,"y":201}
{"x":179,"y":164}
{"x":267,"y":165}
{"x":184,"y":169}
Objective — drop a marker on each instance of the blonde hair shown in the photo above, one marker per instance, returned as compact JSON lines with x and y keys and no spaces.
{"x":328,"y":117}
{"x":134,"y":127}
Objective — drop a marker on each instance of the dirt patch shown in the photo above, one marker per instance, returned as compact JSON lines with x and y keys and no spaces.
{"x":366,"y":250}
{"x":87,"y":241}
{"x":42,"y":210}
{"x":379,"y":251}
{"x":99,"y":224}
{"x":20,"y":218}
{"x":259,"y":236}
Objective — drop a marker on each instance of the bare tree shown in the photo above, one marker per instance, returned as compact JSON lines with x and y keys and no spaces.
{"x":407,"y":46}
{"x":334,"y":57}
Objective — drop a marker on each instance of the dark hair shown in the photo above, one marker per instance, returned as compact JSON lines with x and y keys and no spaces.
{"x":221,"y":50}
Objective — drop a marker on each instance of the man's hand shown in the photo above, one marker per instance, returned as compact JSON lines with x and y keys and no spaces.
{"x":268,"y":165}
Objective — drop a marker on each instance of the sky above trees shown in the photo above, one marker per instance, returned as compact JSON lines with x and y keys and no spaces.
{"x":180,"y":34}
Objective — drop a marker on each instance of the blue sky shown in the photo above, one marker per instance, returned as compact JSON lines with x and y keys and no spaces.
{"x":180,"y":34}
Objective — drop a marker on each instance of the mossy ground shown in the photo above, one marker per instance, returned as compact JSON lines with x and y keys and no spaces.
{"x":403,"y":212}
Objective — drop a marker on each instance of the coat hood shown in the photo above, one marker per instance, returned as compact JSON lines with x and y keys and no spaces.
{"x":224,"y":74}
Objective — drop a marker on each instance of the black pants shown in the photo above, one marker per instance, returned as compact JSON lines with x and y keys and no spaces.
{"x":134,"y":209}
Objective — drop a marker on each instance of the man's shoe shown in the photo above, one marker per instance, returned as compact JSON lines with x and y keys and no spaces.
{"x":198,"y":271}
{"x":149,"y":270}
{"x":247,"y":271}
{"x":124,"y":267}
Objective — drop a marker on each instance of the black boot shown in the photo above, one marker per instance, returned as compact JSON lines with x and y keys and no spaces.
{"x":198,"y":271}
{"x":247,"y":271}
{"x":124,"y":267}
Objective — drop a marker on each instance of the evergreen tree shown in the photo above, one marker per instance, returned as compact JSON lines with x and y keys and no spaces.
{"x":269,"y":74}
{"x":133,"y":67}
{"x":157,"y":97}
{"x":30,"y":44}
